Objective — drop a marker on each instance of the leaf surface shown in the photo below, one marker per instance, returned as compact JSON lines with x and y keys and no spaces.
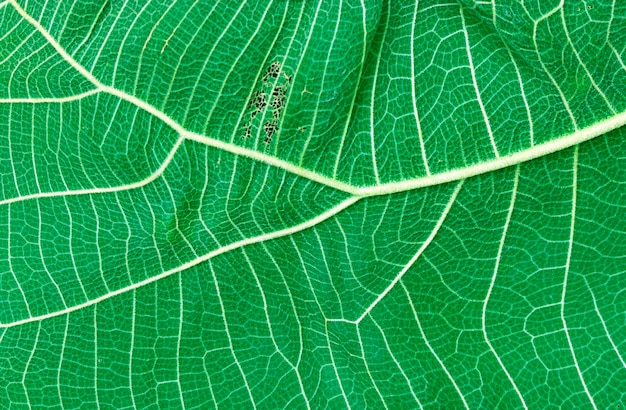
{"x":290,"y":204}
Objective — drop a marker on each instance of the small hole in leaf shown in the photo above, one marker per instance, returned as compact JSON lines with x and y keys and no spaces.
{"x":273,"y":71}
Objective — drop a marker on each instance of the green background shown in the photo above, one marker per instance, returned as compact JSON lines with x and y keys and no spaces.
{"x":439,"y":220}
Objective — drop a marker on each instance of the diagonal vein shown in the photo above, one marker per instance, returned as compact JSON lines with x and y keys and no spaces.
{"x":491,"y":286}
{"x":566,"y":277}
{"x":419,"y":252}
{"x":579,"y":135}
{"x":196,"y":261}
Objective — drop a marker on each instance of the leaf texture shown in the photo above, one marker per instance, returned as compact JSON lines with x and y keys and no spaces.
{"x":291,"y":204}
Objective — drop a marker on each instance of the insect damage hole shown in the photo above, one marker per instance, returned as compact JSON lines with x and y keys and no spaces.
{"x":278,"y":97}
{"x":246,"y":131}
{"x":273,"y":71}
{"x":259,"y":101}
{"x":267,"y":102}
{"x":270,"y":128}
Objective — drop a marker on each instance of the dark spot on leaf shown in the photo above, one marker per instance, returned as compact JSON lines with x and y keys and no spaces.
{"x":273,"y":71}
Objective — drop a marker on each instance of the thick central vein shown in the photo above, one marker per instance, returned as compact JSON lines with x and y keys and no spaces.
{"x":566,"y":141}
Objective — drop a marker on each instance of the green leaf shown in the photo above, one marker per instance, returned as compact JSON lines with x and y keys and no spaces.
{"x":297,"y":204}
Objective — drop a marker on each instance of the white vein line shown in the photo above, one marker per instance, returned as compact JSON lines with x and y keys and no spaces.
{"x":76,"y":133}
{"x":422,"y":248}
{"x":617,"y":55}
{"x":430,"y":348}
{"x":531,"y":130}
{"x":131,"y":351}
{"x":407,"y":266}
{"x":608,"y":35}
{"x":59,"y":14}
{"x":230,"y":340}
{"x":30,"y":359}
{"x":202,"y":70}
{"x":545,"y":69}
{"x":327,"y":61}
{"x":235,"y":245}
{"x":96,"y":231}
{"x":270,"y":160}
{"x":127,"y":240}
{"x":57,"y":150}
{"x":566,"y":141}
{"x":537,"y":151}
{"x":96,"y":368}
{"x":224,"y":82}
{"x":565,"y":278}
{"x":349,"y":258}
{"x":10,"y":263}
{"x":306,"y":273}
{"x":397,"y":363}
{"x":91,"y":27}
{"x":356,"y":90}
{"x":36,"y":70}
{"x":373,"y":97}
{"x":334,"y":365}
{"x":475,"y":83}
{"x":4,"y":35}
{"x":259,"y":196}
{"x":180,"y":337}
{"x":61,"y":355}
{"x":610,"y":22}
{"x":177,"y":220}
{"x":15,"y":50}
{"x":195,"y":34}
{"x":24,"y":62}
{"x":414,"y":92}
{"x":200,"y":207}
{"x":177,"y":127}
{"x":269,"y":324}
{"x":606,"y":330}
{"x":9,"y":143}
{"x":580,"y":61}
{"x":40,"y":221}
{"x":33,"y":156}
{"x":265,"y":310}
{"x":44,"y":9}
{"x":155,"y":25}
{"x":492,"y":284}
{"x":152,"y":234}
{"x":297,"y":317}
{"x":108,"y":134}
{"x":107,"y":37}
{"x":297,"y":68}
{"x":208,"y":379}
{"x":71,"y":247}
{"x":230,"y":196}
{"x":128,"y":29}
{"x":173,"y":124}
{"x":580,"y":135}
{"x":47,"y":100}
{"x":367,"y":367}
{"x":92,"y":191}
{"x":328,"y":269}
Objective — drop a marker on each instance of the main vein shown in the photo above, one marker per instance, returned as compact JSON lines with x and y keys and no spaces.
{"x":566,"y":141}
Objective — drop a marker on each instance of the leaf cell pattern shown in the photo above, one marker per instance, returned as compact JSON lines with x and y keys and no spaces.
{"x":290,"y":204}
{"x":269,"y":100}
